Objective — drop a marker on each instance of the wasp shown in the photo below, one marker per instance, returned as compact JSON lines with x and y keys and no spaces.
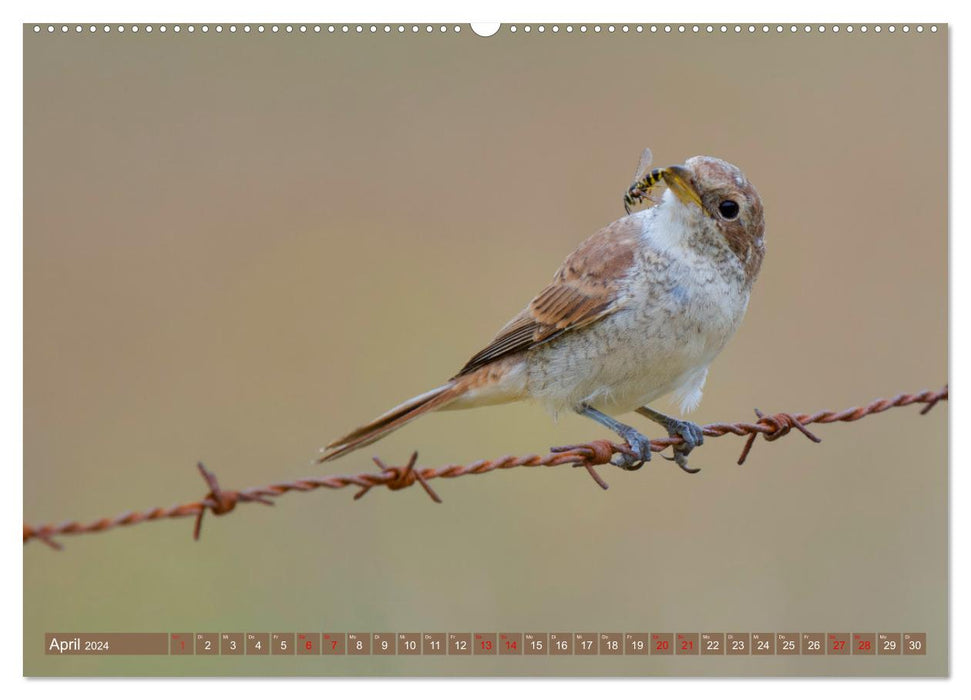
{"x":644,"y":180}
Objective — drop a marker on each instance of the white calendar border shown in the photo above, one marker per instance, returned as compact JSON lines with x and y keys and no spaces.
{"x":820,"y":11}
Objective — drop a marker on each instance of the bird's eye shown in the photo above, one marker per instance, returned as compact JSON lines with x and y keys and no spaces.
{"x":728,"y":209}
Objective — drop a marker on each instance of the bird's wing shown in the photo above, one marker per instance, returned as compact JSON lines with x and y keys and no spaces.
{"x":588,"y":286}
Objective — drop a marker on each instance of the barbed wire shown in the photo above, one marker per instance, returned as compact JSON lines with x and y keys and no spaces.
{"x":588,"y":455}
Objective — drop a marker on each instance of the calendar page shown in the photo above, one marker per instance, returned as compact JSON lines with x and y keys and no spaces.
{"x":547,"y":349}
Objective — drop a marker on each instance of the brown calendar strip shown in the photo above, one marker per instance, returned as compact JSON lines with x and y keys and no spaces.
{"x":488,"y":644}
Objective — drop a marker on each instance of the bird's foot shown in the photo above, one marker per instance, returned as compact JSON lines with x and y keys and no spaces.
{"x":639,"y":444}
{"x":692,"y":435}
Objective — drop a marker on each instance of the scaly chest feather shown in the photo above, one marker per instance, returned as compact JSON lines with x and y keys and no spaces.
{"x":682,"y":306}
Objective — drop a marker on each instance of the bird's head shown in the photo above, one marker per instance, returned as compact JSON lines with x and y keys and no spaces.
{"x":720,"y":195}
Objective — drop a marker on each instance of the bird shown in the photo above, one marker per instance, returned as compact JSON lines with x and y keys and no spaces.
{"x":637,"y":312}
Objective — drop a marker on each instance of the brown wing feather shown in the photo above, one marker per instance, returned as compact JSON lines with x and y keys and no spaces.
{"x":587,"y":287}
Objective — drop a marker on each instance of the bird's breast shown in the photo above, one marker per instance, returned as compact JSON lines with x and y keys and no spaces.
{"x":676,"y":317}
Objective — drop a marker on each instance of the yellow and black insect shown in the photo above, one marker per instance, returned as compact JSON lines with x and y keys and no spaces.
{"x":644,"y":181}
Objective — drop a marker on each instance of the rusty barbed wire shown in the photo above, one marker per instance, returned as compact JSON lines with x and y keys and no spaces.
{"x":588,"y":455}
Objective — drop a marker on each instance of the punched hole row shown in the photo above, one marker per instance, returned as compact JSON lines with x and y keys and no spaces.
{"x":443,"y":29}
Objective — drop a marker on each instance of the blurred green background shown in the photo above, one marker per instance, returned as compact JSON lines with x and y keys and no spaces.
{"x":237,"y":247}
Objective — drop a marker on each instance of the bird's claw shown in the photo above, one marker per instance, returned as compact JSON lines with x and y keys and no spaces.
{"x":640,"y":451}
{"x":680,"y":459}
{"x":692,"y":435}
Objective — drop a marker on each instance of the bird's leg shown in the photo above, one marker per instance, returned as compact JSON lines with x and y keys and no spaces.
{"x":640,"y":444}
{"x":686,"y":430}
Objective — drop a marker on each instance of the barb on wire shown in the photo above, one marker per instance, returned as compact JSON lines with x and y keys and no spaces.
{"x":588,"y":455}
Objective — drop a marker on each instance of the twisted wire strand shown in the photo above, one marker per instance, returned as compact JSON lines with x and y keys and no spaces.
{"x":587,"y":455}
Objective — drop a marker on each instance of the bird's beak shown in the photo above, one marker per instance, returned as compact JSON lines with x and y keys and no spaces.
{"x":678,"y":179}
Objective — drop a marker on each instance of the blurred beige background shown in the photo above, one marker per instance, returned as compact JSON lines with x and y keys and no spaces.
{"x":238,"y":247}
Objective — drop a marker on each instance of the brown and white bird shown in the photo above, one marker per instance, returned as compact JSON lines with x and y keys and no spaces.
{"x":637,"y":312}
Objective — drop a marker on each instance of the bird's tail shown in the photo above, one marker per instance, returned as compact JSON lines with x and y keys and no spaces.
{"x":395,"y":418}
